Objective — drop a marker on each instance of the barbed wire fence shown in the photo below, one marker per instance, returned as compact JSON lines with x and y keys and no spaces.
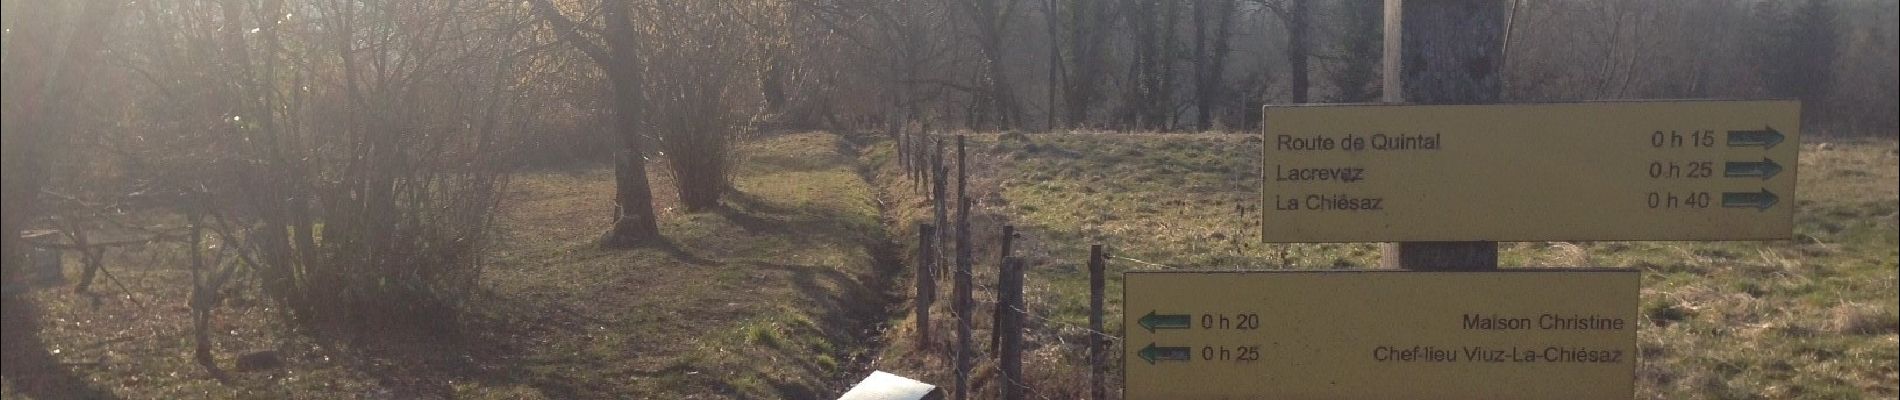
{"x":945,"y":251}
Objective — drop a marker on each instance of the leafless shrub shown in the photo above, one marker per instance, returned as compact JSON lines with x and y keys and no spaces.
{"x":352,"y":171}
{"x":697,"y":65}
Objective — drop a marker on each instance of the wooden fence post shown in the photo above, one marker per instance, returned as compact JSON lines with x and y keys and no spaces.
{"x":920,"y":162}
{"x":919,"y":173}
{"x":1009,"y":293}
{"x":939,"y":185}
{"x":903,"y":158}
{"x":963,"y":284}
{"x":926,"y":282}
{"x":909,"y":150}
{"x":1009,"y":232}
{"x":1098,"y":353}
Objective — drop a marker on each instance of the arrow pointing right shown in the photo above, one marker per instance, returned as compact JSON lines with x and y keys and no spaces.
{"x":1766,"y":138}
{"x":1747,"y":169}
{"x":1154,"y":321}
{"x":1154,"y":354}
{"x":1758,"y":200}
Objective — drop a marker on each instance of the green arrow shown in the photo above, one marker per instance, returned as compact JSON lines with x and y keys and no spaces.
{"x":1165,"y":321}
{"x":1153,"y":354}
{"x":1766,"y":138}
{"x":1758,"y":200}
{"x":1748,"y":169}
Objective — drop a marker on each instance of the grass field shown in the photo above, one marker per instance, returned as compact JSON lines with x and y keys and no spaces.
{"x":1812,"y":317}
{"x":775,"y":297}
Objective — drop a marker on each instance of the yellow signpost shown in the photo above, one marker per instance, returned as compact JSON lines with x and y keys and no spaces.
{"x":1649,"y":170}
{"x":1513,"y":334}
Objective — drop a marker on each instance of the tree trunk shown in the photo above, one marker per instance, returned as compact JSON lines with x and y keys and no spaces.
{"x":1357,"y":69}
{"x":1002,"y":101}
{"x":1161,"y":103}
{"x":991,"y":24}
{"x":200,"y":302}
{"x":1451,"y":51}
{"x":1203,"y":89}
{"x":772,"y":82}
{"x":1210,"y":63}
{"x":1298,"y":43}
{"x":634,"y":222}
{"x":633,"y":195}
{"x":1087,"y":23}
{"x":1139,"y":16}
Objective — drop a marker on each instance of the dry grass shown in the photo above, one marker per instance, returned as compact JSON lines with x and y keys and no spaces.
{"x":783,"y":293}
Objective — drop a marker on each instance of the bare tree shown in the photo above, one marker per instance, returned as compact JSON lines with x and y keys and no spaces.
{"x":1297,"y":15}
{"x":1149,"y":91}
{"x":989,"y":19}
{"x":1213,"y":23}
{"x":1795,"y":53}
{"x":341,"y":154}
{"x":615,"y":49}
{"x":894,"y":39}
{"x":1088,"y":24}
{"x":696,"y":49}
{"x":50,"y":50}
{"x":1353,"y":65}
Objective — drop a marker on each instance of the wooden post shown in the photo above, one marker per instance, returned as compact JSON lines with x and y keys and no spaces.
{"x":938,"y":169}
{"x":1098,"y":353}
{"x":1009,"y":293}
{"x":1392,"y":91}
{"x":963,"y":285}
{"x":902,"y":145}
{"x":920,"y":162}
{"x":926,"y":282}
{"x":1009,"y":232}
{"x":920,"y":167}
{"x":926,"y":164}
{"x":916,"y":163}
{"x":918,"y":171}
{"x":1449,"y":52}
{"x":908,"y":148}
{"x":963,"y":254}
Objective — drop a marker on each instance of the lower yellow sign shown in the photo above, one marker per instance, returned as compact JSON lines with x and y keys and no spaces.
{"x":1513,"y":334}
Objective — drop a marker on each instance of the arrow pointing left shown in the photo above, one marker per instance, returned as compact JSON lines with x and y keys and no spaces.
{"x":1154,"y":321}
{"x":1155,"y":354}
